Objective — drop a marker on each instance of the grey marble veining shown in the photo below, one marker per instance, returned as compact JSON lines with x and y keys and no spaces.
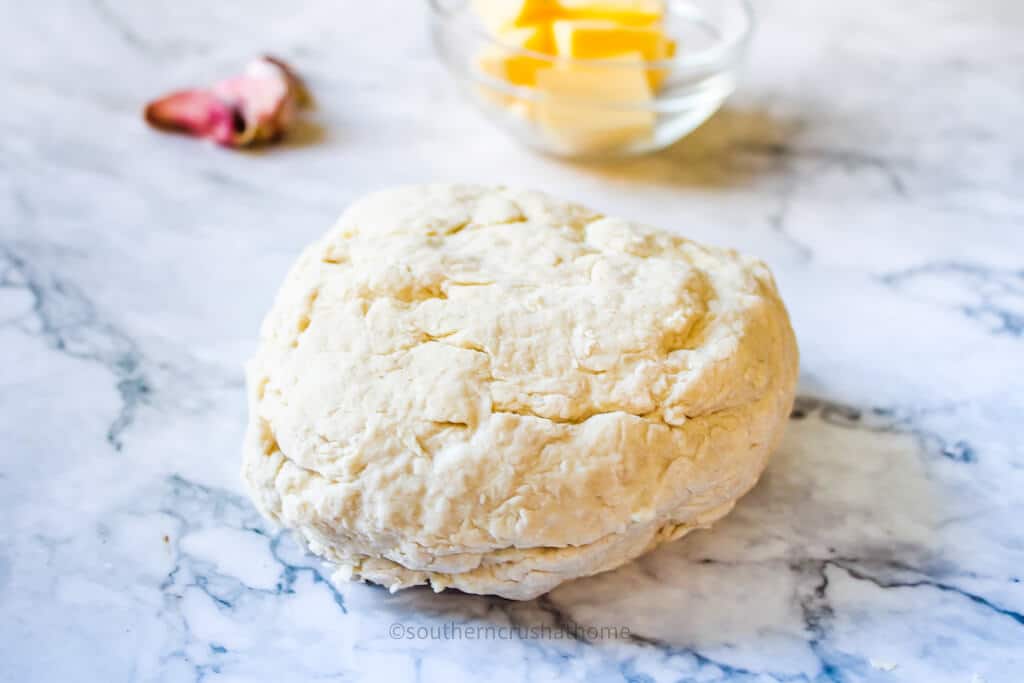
{"x":873,"y":156}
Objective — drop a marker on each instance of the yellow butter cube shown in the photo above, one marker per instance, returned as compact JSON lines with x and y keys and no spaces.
{"x":589,"y":109}
{"x":498,"y":15}
{"x":505,"y":61}
{"x":599,"y":38}
{"x":630,"y":12}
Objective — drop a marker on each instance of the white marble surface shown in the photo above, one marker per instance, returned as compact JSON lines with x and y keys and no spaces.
{"x":874,"y":157}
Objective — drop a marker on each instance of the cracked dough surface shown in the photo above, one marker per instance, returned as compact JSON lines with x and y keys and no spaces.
{"x":497,"y":391}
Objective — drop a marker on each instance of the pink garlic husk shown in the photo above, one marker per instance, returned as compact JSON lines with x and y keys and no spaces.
{"x":256,"y":107}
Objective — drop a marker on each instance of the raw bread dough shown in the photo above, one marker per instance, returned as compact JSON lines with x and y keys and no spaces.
{"x":497,"y":391}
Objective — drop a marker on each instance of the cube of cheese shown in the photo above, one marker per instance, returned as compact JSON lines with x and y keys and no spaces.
{"x":629,"y":12}
{"x":588,"y":109}
{"x":498,"y":15}
{"x":504,"y":60}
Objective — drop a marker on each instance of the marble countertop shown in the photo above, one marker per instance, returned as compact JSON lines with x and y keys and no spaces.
{"x":874,"y":156}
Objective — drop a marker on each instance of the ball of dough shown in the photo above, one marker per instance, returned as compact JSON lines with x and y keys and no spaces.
{"x":497,"y":391}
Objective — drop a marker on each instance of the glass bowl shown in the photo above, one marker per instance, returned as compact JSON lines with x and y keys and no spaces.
{"x":711,"y":38}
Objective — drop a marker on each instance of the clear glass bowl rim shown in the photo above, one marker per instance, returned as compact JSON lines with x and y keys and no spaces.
{"x":722,"y":52}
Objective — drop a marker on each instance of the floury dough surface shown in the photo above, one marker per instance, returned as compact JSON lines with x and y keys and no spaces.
{"x":497,"y":391}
